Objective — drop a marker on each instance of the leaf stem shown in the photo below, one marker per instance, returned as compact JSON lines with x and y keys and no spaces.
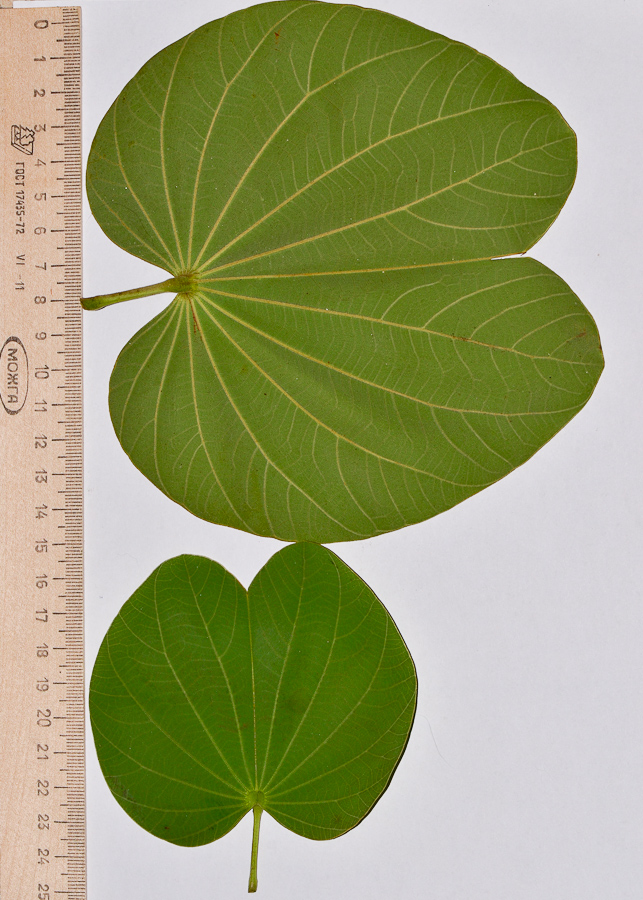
{"x":252,"y":883}
{"x":176,"y":285}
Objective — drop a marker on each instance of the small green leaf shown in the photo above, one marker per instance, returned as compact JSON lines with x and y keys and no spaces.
{"x":296,"y":697}
{"x":328,"y":186}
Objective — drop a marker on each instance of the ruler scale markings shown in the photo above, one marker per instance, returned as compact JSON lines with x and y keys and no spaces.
{"x":42,"y":822}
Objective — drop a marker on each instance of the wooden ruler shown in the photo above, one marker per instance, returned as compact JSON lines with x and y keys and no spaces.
{"x":42,"y":766}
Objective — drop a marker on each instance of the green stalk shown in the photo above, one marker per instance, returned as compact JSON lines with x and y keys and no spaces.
{"x":177,"y":285}
{"x":252,"y":883}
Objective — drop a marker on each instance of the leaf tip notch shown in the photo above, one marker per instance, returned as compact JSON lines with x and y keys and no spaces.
{"x":373,"y":355}
{"x":262,"y":706}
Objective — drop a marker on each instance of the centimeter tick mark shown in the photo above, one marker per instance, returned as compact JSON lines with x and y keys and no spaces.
{"x":38,"y":45}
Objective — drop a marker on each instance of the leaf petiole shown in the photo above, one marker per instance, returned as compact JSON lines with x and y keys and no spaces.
{"x":252,"y":883}
{"x":178,"y":284}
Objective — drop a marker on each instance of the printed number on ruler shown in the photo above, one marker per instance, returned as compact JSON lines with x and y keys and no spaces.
{"x":42,"y":826}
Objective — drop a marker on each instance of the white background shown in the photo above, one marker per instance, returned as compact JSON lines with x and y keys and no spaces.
{"x":523,"y":778}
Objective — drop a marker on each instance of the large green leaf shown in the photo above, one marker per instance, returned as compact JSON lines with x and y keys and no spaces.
{"x":328,"y":185}
{"x":296,"y":697}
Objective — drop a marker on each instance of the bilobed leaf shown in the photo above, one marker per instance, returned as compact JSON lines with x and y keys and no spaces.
{"x":329,"y":186}
{"x":296,"y":697}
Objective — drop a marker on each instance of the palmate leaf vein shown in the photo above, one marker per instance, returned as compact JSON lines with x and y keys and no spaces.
{"x":147,"y":100}
{"x":254,"y":695}
{"x":276,"y":622}
{"x":123,"y":621}
{"x":238,"y":807}
{"x":258,"y":444}
{"x":344,"y":162}
{"x":456,"y":342}
{"x":197,"y":262}
{"x":194,"y":439}
{"x":541,"y":195}
{"x":343,"y":229}
{"x":270,"y":787}
{"x":366,"y":750}
{"x":216,"y":115}
{"x":549,"y":385}
{"x":528,"y":334}
{"x":266,"y":470}
{"x":485,"y":228}
{"x":223,"y":671}
{"x":166,"y":261}
{"x":422,"y":329}
{"x":162,"y":149}
{"x":332,"y":832}
{"x":336,"y":12}
{"x":363,"y":594}
{"x":455,"y":77}
{"x":360,"y":506}
{"x":350,"y":37}
{"x":158,"y":402}
{"x":197,"y":416}
{"x":271,"y":609}
{"x":328,"y":427}
{"x":170,"y":256}
{"x":461,"y":299}
{"x":395,"y":268}
{"x":172,"y":778}
{"x":507,"y":309}
{"x":170,"y":313}
{"x":185,"y":693}
{"x":455,"y":447}
{"x":161,"y":729}
{"x":483,"y":442}
{"x":283,"y":669}
{"x":320,"y":680}
{"x":323,"y":802}
{"x":208,"y":828}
